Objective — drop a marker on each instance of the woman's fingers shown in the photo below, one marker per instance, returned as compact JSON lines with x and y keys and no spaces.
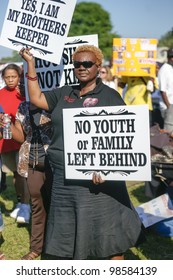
{"x":25,"y":52}
{"x":97,"y":179}
{"x":94,"y":178}
{"x":22,"y":51}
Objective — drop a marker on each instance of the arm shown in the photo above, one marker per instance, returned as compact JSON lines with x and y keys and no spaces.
{"x":165,"y":99}
{"x":162,"y":82}
{"x":35,"y":94}
{"x":17,"y":132}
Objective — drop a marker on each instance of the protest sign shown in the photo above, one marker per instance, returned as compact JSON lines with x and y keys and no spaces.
{"x":51,"y":75}
{"x":155,"y":210}
{"x":113,"y":140}
{"x":134,"y":56}
{"x":42,"y":25}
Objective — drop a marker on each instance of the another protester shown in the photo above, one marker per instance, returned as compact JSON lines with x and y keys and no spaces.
{"x":106,"y":76}
{"x":138,"y":92}
{"x":165,"y":77}
{"x":32,"y":129}
{"x":156,"y":99}
{"x":10,"y":98}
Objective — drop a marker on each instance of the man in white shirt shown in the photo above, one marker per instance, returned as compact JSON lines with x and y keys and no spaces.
{"x":165,"y":78}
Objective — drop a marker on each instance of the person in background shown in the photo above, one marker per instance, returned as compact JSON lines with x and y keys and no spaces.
{"x":2,"y":256}
{"x":106,"y":76}
{"x":138,"y":92}
{"x":87,"y":218}
{"x":3,"y":183}
{"x":32,"y":129}
{"x":115,"y":77}
{"x":10,"y":98}
{"x":121,"y":87}
{"x":3,"y":176}
{"x":156,"y":98}
{"x":165,"y":78}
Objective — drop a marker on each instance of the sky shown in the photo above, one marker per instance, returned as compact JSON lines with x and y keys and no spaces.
{"x":129,"y":18}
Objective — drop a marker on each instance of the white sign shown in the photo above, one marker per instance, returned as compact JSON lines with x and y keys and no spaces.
{"x":155,"y":210}
{"x":51,"y":75}
{"x":42,"y":25}
{"x":114,"y":141}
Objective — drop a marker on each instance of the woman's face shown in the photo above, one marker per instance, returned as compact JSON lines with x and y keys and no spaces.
{"x":103,"y":73}
{"x":11,"y":78}
{"x":88,"y":71}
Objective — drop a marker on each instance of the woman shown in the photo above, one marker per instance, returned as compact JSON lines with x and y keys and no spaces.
{"x":10,"y":98}
{"x":106,"y":76}
{"x":138,"y":92}
{"x":33,"y":129}
{"x":92,"y":218}
{"x":2,"y":256}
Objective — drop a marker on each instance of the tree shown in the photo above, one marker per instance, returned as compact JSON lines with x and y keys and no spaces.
{"x":90,"y":18}
{"x":166,"y":40}
{"x":14,"y":58}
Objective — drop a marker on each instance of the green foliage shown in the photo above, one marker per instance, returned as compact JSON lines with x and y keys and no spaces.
{"x":90,"y":18}
{"x":166,"y":40}
{"x":14,"y":58}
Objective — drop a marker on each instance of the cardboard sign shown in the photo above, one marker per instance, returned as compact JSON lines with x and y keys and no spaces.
{"x":134,"y":57}
{"x":51,"y":75}
{"x":155,"y":210}
{"x":114,"y":141}
{"x":42,"y":25}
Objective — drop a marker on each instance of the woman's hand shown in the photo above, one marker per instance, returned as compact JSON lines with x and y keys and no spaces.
{"x":1,"y":116}
{"x":26,"y":54}
{"x":1,"y":120}
{"x":97,"y":179}
{"x":35,"y":95}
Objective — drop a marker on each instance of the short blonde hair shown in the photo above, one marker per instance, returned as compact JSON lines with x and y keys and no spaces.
{"x":90,"y":48}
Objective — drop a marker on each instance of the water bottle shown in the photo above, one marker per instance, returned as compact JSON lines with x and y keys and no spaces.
{"x":7,"y":134}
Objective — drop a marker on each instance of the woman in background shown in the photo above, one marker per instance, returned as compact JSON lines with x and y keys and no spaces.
{"x":32,"y":129}
{"x":2,"y":256}
{"x":10,"y":98}
{"x":106,"y":76}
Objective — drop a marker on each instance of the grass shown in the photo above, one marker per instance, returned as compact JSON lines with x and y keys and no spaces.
{"x":14,"y":241}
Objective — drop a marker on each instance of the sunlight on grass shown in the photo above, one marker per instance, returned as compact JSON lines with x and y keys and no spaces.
{"x":16,"y":239}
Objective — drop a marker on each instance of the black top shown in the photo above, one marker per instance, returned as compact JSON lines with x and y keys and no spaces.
{"x":37,"y":153}
{"x":69,"y":97}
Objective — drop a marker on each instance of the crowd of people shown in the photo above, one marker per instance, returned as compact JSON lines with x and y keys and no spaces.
{"x":72,"y":219}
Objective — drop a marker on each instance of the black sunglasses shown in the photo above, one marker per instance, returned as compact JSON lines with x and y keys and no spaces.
{"x":85,"y":64}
